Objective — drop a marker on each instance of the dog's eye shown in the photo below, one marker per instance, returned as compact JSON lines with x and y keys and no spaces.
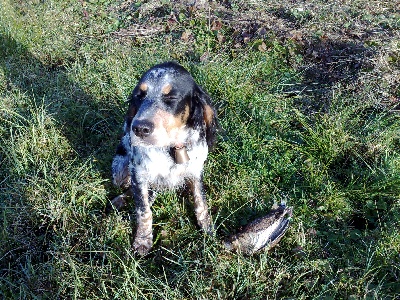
{"x":169,"y":100}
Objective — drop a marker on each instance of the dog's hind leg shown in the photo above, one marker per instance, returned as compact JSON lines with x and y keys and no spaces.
{"x":121,"y":173}
{"x":120,"y":164}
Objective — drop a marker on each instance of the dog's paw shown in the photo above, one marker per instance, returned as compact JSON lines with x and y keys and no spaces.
{"x":142,"y":250}
{"x":142,"y":246}
{"x":206,"y":225}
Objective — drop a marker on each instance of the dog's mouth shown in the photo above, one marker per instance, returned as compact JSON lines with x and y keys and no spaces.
{"x":178,"y":151}
{"x":152,"y":141}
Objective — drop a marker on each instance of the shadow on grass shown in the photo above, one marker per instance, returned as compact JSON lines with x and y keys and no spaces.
{"x":89,"y":125}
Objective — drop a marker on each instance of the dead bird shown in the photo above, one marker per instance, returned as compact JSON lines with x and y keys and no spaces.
{"x":262,"y":233}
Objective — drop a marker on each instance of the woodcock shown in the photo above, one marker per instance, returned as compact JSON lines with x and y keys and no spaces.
{"x":262,"y":233}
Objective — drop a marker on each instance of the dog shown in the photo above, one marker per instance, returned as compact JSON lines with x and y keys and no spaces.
{"x":169,"y":129}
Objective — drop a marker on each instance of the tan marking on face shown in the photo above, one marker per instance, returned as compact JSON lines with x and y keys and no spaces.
{"x":167,"y":127}
{"x":208,"y":114}
{"x":170,"y":121}
{"x":166,"y":89}
{"x":185,"y":115}
{"x":143,"y":87}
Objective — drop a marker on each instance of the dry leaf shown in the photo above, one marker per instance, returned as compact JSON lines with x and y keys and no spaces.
{"x":221,"y":38}
{"x":204,"y":56}
{"x":186,"y":35}
{"x":246,"y":37}
{"x":262,"y":47}
{"x":216,"y":25}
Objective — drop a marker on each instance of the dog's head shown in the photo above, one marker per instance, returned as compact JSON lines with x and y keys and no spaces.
{"x":165,"y":104}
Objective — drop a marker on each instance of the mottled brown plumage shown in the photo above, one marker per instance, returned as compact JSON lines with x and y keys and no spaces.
{"x":262,"y":233}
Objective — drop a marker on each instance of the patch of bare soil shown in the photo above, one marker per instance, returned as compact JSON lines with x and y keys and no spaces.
{"x":351,"y":43}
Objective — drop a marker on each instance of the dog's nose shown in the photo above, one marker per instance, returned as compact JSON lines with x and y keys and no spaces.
{"x":142,"y":129}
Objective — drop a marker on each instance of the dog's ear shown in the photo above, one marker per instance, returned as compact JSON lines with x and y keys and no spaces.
{"x":132,"y":110}
{"x":133,"y":105}
{"x":203,"y":113}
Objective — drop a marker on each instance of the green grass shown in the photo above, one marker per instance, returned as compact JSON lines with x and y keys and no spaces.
{"x":299,"y":123}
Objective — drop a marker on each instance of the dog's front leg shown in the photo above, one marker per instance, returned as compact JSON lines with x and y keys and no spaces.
{"x":144,"y":219}
{"x":200,"y":205}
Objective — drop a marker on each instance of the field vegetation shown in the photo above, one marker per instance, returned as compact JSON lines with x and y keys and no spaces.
{"x":308,"y":98}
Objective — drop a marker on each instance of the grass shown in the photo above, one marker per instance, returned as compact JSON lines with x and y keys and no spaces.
{"x":308,"y":101}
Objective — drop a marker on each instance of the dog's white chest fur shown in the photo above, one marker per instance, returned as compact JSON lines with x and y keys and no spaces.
{"x":157,"y":167}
